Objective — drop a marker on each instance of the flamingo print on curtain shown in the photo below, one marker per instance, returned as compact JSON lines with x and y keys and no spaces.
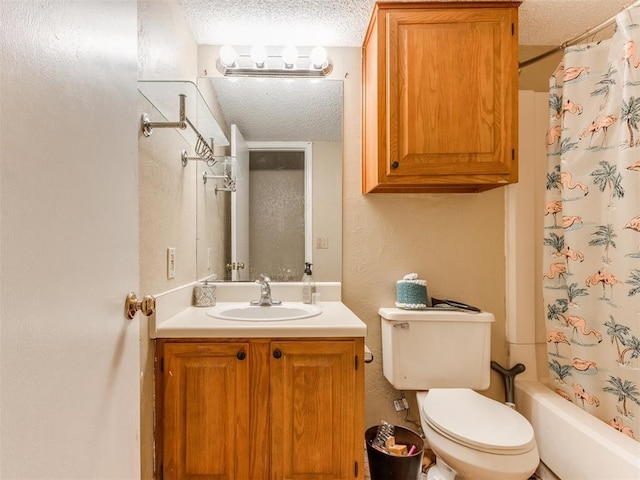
{"x":591,"y":244}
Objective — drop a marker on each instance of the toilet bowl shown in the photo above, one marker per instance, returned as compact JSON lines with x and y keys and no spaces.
{"x":445,"y":356}
{"x":475,"y":438}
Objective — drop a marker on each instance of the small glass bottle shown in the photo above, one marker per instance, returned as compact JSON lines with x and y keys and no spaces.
{"x":308,"y":284}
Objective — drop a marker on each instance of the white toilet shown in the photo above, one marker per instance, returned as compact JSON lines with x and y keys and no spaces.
{"x":443,"y":355}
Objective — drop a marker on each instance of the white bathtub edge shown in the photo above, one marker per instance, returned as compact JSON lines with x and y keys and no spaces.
{"x":572,"y":443}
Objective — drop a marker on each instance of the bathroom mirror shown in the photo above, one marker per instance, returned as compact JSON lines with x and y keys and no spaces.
{"x":299,"y":115}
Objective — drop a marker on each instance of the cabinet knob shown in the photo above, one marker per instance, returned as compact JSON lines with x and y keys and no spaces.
{"x":395,"y":164}
{"x":277,"y":353}
{"x":241,"y":355}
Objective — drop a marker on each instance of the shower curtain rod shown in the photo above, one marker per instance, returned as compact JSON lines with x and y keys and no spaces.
{"x":578,"y":38}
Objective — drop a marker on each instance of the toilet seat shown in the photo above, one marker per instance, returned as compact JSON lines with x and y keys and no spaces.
{"x":477,"y":422}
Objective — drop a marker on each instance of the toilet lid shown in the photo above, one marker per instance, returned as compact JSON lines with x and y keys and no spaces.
{"x":477,"y":422}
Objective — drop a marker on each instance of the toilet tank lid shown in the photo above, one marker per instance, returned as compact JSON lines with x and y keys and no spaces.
{"x":477,"y":421}
{"x":435,"y":314}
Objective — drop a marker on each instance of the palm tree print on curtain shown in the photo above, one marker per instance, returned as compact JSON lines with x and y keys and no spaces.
{"x":591,"y":243}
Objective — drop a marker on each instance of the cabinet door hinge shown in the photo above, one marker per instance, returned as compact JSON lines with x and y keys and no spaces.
{"x":356,"y":362}
{"x":513,"y":29}
{"x":355,"y":469}
{"x":161,"y":472}
{"x":513,"y":154}
{"x":162,"y":364}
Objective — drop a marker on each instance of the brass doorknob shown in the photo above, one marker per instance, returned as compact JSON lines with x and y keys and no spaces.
{"x":131,"y":305}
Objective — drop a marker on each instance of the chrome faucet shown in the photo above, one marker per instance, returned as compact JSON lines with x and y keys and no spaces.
{"x":265,"y":293}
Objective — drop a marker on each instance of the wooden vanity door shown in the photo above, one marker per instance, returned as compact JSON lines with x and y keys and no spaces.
{"x":315,"y":428}
{"x":206,"y":411}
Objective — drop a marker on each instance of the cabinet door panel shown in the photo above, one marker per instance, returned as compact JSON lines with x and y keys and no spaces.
{"x":450,"y":89}
{"x":205,"y":412}
{"x":313,"y":415}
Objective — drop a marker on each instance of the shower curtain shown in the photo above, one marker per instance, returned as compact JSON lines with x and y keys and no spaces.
{"x":591,"y":244}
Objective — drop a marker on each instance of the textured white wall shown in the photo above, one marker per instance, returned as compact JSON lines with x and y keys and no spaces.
{"x":69,"y":404}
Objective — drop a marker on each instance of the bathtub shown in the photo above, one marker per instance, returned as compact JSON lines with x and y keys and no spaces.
{"x":572,"y":443}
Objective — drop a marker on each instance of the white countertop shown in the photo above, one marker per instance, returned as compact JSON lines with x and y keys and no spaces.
{"x":335,"y":320}
{"x":176,"y":318}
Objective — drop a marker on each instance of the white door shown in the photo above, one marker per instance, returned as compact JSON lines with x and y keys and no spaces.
{"x":240,"y":209}
{"x":70,"y":376}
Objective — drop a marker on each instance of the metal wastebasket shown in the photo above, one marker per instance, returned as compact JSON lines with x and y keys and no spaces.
{"x":384,"y":466}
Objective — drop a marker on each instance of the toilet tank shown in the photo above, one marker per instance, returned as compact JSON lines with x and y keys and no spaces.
{"x":424,"y":349}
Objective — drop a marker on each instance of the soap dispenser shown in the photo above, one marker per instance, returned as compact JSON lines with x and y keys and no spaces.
{"x":308,"y":284}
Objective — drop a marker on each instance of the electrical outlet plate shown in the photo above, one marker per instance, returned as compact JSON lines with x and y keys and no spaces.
{"x":171,"y":262}
{"x":401,"y":404}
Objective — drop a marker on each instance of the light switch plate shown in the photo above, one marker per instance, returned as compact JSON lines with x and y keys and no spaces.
{"x":322,"y":243}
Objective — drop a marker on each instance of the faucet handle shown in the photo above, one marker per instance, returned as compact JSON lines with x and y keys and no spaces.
{"x":265,"y":292}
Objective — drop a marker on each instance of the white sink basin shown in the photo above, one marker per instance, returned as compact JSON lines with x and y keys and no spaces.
{"x":272,"y":313}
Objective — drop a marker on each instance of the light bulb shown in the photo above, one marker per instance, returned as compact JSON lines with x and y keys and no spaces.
{"x":259,"y":55}
{"x":318,"y":57}
{"x":289,"y":56}
{"x":228,"y":56}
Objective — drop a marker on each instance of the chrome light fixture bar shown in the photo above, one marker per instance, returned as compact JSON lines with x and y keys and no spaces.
{"x":257,"y":63}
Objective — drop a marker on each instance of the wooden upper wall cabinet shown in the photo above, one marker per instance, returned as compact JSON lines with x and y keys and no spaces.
{"x":440,"y":97}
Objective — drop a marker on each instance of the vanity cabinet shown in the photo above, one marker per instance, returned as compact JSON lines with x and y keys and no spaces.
{"x":440,"y":97}
{"x":260,"y":408}
{"x":204,"y":420}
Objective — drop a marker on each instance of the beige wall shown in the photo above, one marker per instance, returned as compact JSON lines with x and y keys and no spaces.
{"x":167,"y":190}
{"x":454,"y":241}
{"x":171,"y":196}
{"x":166,"y":51}
{"x":526,"y":329}
{"x":327,"y":208}
{"x":535,"y":77}
{"x":213,"y":220}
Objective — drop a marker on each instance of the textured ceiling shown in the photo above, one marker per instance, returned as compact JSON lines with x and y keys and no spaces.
{"x":279,"y":112}
{"x":275,"y":110}
{"x":551,"y":22}
{"x":342,"y":23}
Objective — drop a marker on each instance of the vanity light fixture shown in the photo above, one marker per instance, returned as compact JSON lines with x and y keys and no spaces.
{"x":228,"y":56}
{"x":259,"y":56}
{"x":289,"y":56}
{"x":318,"y":57}
{"x":258,"y":62}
